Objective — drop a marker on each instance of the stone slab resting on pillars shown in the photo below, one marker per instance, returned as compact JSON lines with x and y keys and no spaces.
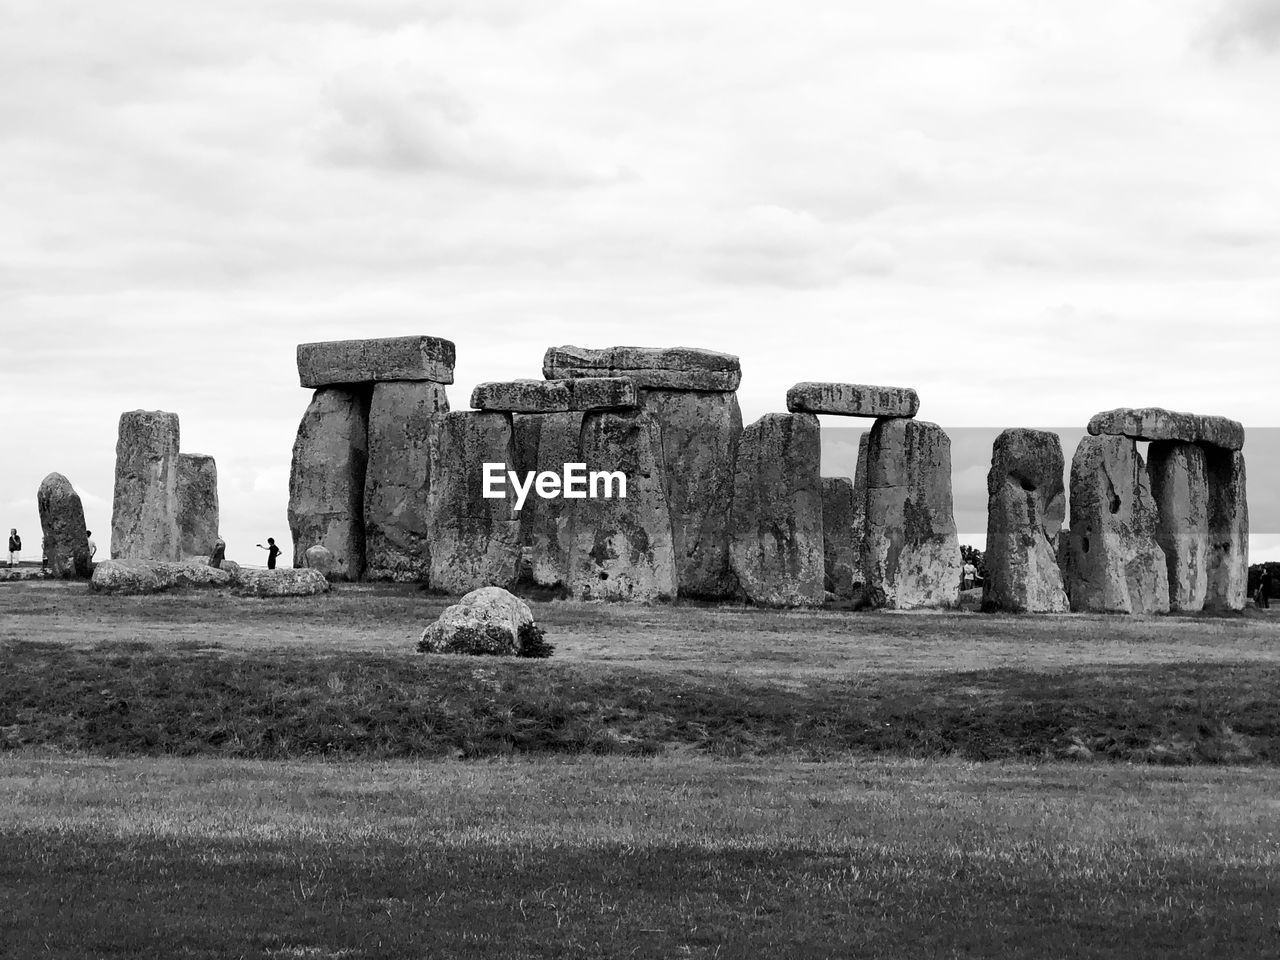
{"x":144,"y":509}
{"x":853,"y":400}
{"x":775,"y":541}
{"x":1026,"y":504}
{"x":350,"y":362}
{"x":656,"y":368}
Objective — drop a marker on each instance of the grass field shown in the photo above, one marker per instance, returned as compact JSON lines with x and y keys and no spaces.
{"x":202,"y":776}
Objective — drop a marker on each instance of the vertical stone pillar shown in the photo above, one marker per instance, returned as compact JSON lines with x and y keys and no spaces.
{"x":622,"y":548}
{"x":144,"y":510}
{"x":404,"y":418}
{"x":1116,"y":564}
{"x":197,"y":504}
{"x":326,"y":482}
{"x":1228,"y":574}
{"x":912,"y":548}
{"x":547,"y":441}
{"x":475,"y":540}
{"x":840,"y":559}
{"x":1026,"y":504}
{"x":66,"y":543}
{"x":1180,"y":486}
{"x":775,"y":542}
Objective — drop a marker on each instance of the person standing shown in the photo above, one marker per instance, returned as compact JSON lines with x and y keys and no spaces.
{"x":219,"y":553}
{"x":93,"y":547}
{"x":272,"y":552}
{"x":15,"y":546}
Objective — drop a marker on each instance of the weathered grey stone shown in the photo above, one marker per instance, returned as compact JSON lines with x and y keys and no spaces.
{"x":622,"y":547}
{"x":700,"y":437}
{"x":840,"y":561}
{"x":280,"y":583}
{"x":1156,"y":423}
{"x":66,"y":544}
{"x":601,"y":393}
{"x":672,"y":368}
{"x":1228,"y":531}
{"x":547,"y":442}
{"x":522,"y":396}
{"x":345,"y":362}
{"x":197,"y":504}
{"x":858,"y":522}
{"x":326,"y":482}
{"x":144,"y":511}
{"x":485,"y":621}
{"x":775,"y":543}
{"x":320,"y":558}
{"x":1026,"y":504}
{"x":156,"y":576}
{"x":1116,"y":564}
{"x":912,"y":551}
{"x":1180,"y":487}
{"x":475,"y":540}
{"x":404,"y":419}
{"x":853,"y":400}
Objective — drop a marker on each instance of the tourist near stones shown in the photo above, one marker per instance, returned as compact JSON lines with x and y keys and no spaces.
{"x":388,"y":483}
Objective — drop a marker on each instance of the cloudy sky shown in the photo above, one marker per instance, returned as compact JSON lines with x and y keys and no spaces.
{"x":1029,"y":210}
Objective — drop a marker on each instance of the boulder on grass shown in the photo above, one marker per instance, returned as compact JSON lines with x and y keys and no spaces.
{"x":156,"y":576}
{"x":489,"y":621}
{"x":287,"y":582}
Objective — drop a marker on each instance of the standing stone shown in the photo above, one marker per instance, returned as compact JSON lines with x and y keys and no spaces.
{"x":326,"y":482}
{"x":1026,"y":504}
{"x":1180,"y":486}
{"x":1228,"y":531}
{"x":1116,"y":564}
{"x":404,"y":418}
{"x":475,"y":541}
{"x":197,"y":504}
{"x":547,"y":442}
{"x":144,"y":510}
{"x":66,"y":543}
{"x":840,"y":561}
{"x":622,"y":548}
{"x":775,"y":541}
{"x":858,"y":522}
{"x":700,"y":436}
{"x":912,"y":549}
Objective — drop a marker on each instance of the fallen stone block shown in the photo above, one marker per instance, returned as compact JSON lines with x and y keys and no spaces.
{"x":700,"y":436}
{"x":1116,"y":564}
{"x":1228,"y":576}
{"x":326,"y":480}
{"x":344,"y":362}
{"x":319,"y":558}
{"x":622,"y":547}
{"x":404,"y":420}
{"x":775,"y":542}
{"x":144,"y":510}
{"x":475,"y":540}
{"x":1155,"y":423}
{"x":66,"y":543}
{"x":912,"y":550}
{"x":853,"y":400}
{"x":1180,"y":487}
{"x":671,"y":368}
{"x":522,"y":396}
{"x":1026,"y":504}
{"x":156,"y":576}
{"x":197,"y":504}
{"x":285,"y":582}
{"x":487,"y":621}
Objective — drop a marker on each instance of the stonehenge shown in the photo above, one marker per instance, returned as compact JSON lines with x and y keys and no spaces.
{"x":389,"y":483}
{"x":144,"y":511}
{"x":197,"y":504}
{"x":66,"y":541}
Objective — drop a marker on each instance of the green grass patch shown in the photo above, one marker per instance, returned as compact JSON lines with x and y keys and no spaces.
{"x":133,"y":698}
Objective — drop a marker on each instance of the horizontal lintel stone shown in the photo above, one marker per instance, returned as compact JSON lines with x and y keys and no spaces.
{"x":1156,"y":423}
{"x":654,"y":368}
{"x":337,"y":362}
{"x":853,"y":400}
{"x":556,"y":396}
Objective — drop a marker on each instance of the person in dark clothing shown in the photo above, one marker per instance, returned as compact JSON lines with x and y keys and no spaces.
{"x":15,"y":546}
{"x":1263,"y":596}
{"x":272,"y":552}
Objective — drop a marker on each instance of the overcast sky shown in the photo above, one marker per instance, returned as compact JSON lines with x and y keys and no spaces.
{"x":1029,"y":210}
